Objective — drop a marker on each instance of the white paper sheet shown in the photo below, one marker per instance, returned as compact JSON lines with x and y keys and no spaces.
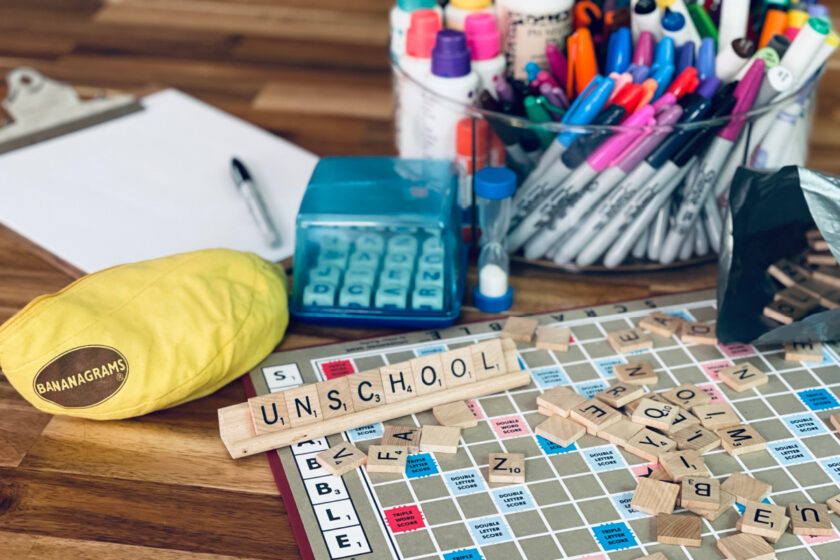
{"x":151,"y":184}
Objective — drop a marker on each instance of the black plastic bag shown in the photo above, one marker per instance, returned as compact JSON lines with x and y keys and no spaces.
{"x":767,"y":217}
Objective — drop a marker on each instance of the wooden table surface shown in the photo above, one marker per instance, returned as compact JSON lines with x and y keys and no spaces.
{"x":315,"y":72}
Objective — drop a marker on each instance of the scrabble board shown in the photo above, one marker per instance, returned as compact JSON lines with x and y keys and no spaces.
{"x":575,"y":501}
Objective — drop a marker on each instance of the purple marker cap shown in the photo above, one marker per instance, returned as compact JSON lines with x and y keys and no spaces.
{"x":607,"y":152}
{"x":640,"y":151}
{"x":745,"y":93}
{"x":817,"y":10}
{"x":639,"y":73}
{"x":708,"y":87}
{"x":505,"y":91}
{"x":643,"y":55}
{"x":667,"y":98}
{"x":450,"y":56}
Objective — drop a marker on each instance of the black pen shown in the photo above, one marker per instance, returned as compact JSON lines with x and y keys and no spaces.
{"x":256,"y":205}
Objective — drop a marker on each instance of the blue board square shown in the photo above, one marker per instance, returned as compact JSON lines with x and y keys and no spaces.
{"x":371,"y":431}
{"x":790,"y":452}
{"x":804,"y":425}
{"x":684,"y":315}
{"x":614,"y":536}
{"x":590,"y":388}
{"x":464,"y":482}
{"x":512,"y":499}
{"x":832,"y":467}
{"x":622,"y":504}
{"x":489,"y":530}
{"x":550,"y":448}
{"x":605,"y":458}
{"x":741,"y":508}
{"x":426,"y":350}
{"x":606,"y":365}
{"x":419,"y":465}
{"x":818,"y":399}
{"x":463,"y":554}
{"x":550,"y":376}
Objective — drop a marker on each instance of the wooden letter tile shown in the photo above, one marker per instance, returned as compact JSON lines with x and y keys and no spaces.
{"x":788,"y":273}
{"x":700,"y":493}
{"x":654,"y":496}
{"x":681,"y":529}
{"x":341,"y":458}
{"x":458,"y":367}
{"x":561,"y":431}
{"x":631,"y":407}
{"x":397,"y":382}
{"x":683,"y":420}
{"x":798,"y":298}
{"x":560,"y":400}
{"x":727,"y":500}
{"x":661,"y":324}
{"x":803,"y":351}
{"x":739,"y":440}
{"x":455,"y":414}
{"x":834,"y":419}
{"x":716,"y":416}
{"x":440,"y":439}
{"x":620,"y":432}
{"x":681,"y":464}
{"x":269,"y":413}
{"x":366,"y":389}
{"x":488,"y":358}
{"x":834,"y":504}
{"x":387,"y":458}
{"x":696,"y":438}
{"x":655,"y":414}
{"x":594,"y":415}
{"x":822,"y":258}
{"x":629,"y":340}
{"x":506,"y":468}
{"x":619,"y":394}
{"x":303,"y":405}
{"x":687,"y":396}
{"x":742,"y":546}
{"x":654,"y":556}
{"x":746,"y":488}
{"x":649,"y":445}
{"x":510,"y":355}
{"x":553,"y":338}
{"x":636,"y":373}
{"x":403,"y":436}
{"x":829,"y":275}
{"x":428,"y":374}
{"x":742,"y":377}
{"x":520,"y":329}
{"x":698,"y":333}
{"x":335,"y":397}
{"x":764,"y":520}
{"x":810,"y":520}
{"x":784,"y":312}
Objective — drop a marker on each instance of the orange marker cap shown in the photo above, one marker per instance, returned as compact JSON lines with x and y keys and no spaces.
{"x":582,"y":63}
{"x":585,"y":13}
{"x":464,"y":138}
{"x":775,"y":23}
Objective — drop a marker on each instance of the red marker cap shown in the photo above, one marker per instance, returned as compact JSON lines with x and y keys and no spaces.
{"x":686,"y":82}
{"x":629,"y":97}
{"x":421,"y":34}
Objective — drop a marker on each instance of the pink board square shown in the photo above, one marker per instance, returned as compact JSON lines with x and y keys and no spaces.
{"x":737,"y":350}
{"x":819,"y":540}
{"x":509,"y":427}
{"x":475,"y":408}
{"x":339,"y":368}
{"x":644,"y":470}
{"x":712,"y":368}
{"x":593,"y":557}
{"x":402,"y":519}
{"x":712,"y":390}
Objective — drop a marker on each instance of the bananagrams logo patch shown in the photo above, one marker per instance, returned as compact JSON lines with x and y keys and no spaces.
{"x":82,"y":377}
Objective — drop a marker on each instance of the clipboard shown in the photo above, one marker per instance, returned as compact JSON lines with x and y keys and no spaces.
{"x":89,"y":184}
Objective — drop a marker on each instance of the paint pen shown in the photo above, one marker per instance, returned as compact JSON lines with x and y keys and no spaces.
{"x":528,"y":26}
{"x":768,"y":55}
{"x":471,"y":145}
{"x":483,"y":42}
{"x":797,"y":15}
{"x":615,"y":159}
{"x":400,"y":17}
{"x":451,"y":78}
{"x":807,"y":44}
{"x":456,"y":12}
{"x":715,"y":157}
{"x":679,"y":7}
{"x":674,"y":26}
{"x":732,"y":58}
{"x":775,"y":23}
{"x":645,"y":17}
{"x":780,"y":44}
{"x":734,"y":18}
{"x":416,"y":63}
{"x":553,"y":225}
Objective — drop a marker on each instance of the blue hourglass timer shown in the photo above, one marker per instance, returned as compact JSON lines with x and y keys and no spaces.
{"x":494,"y":187}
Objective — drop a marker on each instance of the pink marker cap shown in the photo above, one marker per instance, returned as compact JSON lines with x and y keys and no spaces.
{"x":643,"y":55}
{"x":745,"y":93}
{"x":606,"y":152}
{"x":482,"y":36}
{"x":666,"y":99}
{"x":620,"y":80}
{"x":421,"y":34}
{"x":639,"y":151}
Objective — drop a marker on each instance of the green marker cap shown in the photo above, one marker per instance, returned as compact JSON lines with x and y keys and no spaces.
{"x":412,"y":5}
{"x":820,"y":25}
{"x":704,"y":24}
{"x":769,"y":56}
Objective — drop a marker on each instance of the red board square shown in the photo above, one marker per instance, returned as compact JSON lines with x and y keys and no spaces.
{"x":337,"y":369}
{"x":404,"y":518}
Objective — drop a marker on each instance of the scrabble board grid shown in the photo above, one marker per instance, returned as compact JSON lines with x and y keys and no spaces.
{"x":575,"y":502}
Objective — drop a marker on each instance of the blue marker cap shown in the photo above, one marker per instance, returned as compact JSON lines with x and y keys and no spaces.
{"x":818,"y":10}
{"x":706,"y":59}
{"x":664,"y":54}
{"x":672,"y":21}
{"x":586,"y":107}
{"x":619,"y":51}
{"x":532,"y":68}
{"x":495,"y":183}
{"x":708,"y":87}
{"x":639,"y":73}
{"x":685,"y":57}
{"x":663,"y":76}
